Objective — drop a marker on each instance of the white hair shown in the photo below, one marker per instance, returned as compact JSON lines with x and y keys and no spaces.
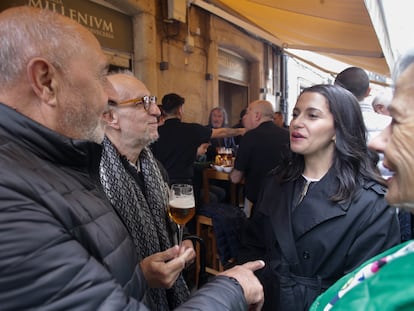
{"x":383,"y":98}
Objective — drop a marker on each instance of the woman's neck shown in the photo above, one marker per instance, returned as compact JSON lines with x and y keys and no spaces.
{"x":316,"y":167}
{"x":318,"y":164}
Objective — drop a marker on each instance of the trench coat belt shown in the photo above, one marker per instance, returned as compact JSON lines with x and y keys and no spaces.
{"x":291,"y":279}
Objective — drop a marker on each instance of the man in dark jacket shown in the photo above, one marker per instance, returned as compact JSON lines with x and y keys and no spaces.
{"x":177,"y":145}
{"x":262,"y":148}
{"x":62,"y":245}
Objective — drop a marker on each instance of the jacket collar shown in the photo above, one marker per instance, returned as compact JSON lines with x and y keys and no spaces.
{"x":46,"y":143}
{"x":315,"y":208}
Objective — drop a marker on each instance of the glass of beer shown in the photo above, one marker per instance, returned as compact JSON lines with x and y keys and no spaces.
{"x":181,"y":206}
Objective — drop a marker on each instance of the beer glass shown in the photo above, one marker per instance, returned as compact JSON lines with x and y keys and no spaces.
{"x":181,"y":206}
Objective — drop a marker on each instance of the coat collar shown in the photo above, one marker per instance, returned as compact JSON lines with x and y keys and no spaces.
{"x":315,"y":208}
{"x":46,"y":143}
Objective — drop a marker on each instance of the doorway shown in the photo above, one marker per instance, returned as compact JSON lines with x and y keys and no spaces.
{"x":234,"y":98}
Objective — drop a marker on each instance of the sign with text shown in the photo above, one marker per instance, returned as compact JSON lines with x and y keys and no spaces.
{"x":233,"y":66}
{"x":112,"y":28}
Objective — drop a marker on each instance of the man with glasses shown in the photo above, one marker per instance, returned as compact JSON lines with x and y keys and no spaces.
{"x":134,"y":184}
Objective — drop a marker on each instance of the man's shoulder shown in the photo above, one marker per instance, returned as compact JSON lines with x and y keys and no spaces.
{"x":197,"y":130}
{"x":269,"y":128}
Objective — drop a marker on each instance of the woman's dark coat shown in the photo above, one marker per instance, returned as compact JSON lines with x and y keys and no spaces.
{"x":308,"y":249}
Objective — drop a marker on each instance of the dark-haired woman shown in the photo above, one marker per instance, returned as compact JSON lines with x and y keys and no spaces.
{"x":323,"y":213}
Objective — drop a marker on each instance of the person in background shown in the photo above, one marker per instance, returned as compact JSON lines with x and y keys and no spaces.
{"x":385,"y":282}
{"x":218,"y":119}
{"x":380,"y":105}
{"x":279,"y":119}
{"x":356,"y":80}
{"x":62,"y":245}
{"x":262,"y":148}
{"x":219,"y":190}
{"x":176,"y":147}
{"x":161,"y":117}
{"x":239,"y":125}
{"x":381,"y":102}
{"x":201,"y":152}
{"x":323,"y":213}
{"x":138,"y":191}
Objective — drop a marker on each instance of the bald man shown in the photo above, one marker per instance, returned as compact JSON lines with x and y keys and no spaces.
{"x":262,"y":148}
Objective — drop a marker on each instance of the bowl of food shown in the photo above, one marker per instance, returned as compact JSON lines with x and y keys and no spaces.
{"x":227,"y":168}
{"x":218,"y":168}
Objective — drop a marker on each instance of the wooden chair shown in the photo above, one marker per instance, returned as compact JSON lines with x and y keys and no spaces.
{"x":204,"y":227}
{"x":204,"y":230}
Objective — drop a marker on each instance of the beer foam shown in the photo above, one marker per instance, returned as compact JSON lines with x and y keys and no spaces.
{"x":182,"y":202}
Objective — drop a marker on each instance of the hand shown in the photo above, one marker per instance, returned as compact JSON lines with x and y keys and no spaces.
{"x":187,"y":244}
{"x":253,"y":290}
{"x":236,"y":176}
{"x":162,"y":269}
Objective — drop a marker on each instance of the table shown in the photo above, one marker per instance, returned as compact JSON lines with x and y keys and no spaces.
{"x":211,"y":173}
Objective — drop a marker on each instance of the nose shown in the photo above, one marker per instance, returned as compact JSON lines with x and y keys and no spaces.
{"x":154,"y":110}
{"x":380,"y":142}
{"x":296,"y":122}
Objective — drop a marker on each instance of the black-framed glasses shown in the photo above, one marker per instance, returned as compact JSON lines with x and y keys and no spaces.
{"x":146,"y":101}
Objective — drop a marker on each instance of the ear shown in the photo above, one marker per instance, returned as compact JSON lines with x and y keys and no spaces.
{"x":180,"y":111}
{"x":111,"y":118}
{"x":368,"y":92}
{"x":43,"y":80}
{"x":258,"y":115}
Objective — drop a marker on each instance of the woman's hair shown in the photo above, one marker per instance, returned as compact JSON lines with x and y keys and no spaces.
{"x":225,"y":117}
{"x":352,"y":160}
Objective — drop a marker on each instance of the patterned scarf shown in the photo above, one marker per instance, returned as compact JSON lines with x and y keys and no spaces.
{"x":143,"y":212}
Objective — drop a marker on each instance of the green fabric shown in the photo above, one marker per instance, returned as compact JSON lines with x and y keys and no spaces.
{"x":392,"y":288}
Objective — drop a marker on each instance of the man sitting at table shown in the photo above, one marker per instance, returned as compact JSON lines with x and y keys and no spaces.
{"x":261,"y":149}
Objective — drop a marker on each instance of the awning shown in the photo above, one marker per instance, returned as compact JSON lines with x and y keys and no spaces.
{"x":340,"y":29}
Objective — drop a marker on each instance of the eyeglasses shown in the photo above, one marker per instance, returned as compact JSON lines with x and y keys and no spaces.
{"x":146,"y":101}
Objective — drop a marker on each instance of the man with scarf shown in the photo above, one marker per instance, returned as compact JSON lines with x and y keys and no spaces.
{"x":133,"y":182}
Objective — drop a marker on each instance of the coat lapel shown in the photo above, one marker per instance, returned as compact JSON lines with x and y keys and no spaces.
{"x":281,"y":222}
{"x":316,"y":207}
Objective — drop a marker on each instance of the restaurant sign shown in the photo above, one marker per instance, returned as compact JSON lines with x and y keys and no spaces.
{"x":112,"y":28}
{"x":232,"y":66}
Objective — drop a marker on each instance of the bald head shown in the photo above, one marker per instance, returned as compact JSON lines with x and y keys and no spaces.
{"x":131,"y":125}
{"x":258,"y":111}
{"x":264,"y":107}
{"x":126,"y":85}
{"x":27,"y":32}
{"x":53,"y":71}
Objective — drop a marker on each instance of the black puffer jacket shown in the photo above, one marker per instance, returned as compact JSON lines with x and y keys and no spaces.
{"x":62,"y":246}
